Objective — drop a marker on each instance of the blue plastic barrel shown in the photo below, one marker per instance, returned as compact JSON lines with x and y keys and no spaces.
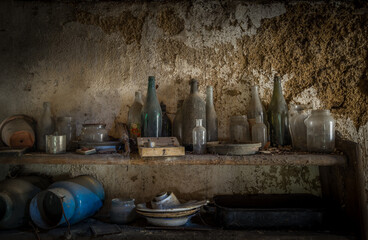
{"x":74,"y":199}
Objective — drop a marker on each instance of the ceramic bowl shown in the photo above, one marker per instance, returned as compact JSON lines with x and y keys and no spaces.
{"x":168,"y":222}
{"x":164,"y":201}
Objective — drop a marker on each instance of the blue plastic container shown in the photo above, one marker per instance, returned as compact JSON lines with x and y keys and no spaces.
{"x":77,"y":198}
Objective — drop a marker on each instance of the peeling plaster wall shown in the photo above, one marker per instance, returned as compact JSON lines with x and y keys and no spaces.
{"x":89,"y":58}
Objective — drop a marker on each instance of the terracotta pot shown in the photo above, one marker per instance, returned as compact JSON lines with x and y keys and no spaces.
{"x":18,"y":131}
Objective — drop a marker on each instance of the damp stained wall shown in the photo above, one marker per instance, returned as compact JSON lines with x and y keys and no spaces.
{"x":88,"y":59}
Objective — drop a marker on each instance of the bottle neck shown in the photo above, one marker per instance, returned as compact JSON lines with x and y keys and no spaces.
{"x":151,"y":82}
{"x":138,"y":97}
{"x":151,"y":91}
{"x":193,"y":86}
{"x":255,"y":95}
{"x":277,"y":89}
{"x":209,"y":95}
{"x":198,"y":122}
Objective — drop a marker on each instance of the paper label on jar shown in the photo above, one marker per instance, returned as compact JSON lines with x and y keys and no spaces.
{"x":135,"y":129}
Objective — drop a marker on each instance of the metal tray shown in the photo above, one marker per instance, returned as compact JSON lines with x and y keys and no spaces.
{"x":269,"y":211}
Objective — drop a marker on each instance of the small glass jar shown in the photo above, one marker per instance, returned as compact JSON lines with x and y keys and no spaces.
{"x":239,"y":129}
{"x":122,"y":211}
{"x":94,"y":133}
{"x":199,"y":138}
{"x":320,"y":131}
{"x":66,"y":126}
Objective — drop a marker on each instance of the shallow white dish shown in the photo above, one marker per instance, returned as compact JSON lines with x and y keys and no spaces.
{"x":169,"y":222}
{"x":182,"y":207}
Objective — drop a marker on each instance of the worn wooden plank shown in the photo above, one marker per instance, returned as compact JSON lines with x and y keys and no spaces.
{"x":208,"y":159}
{"x":354,"y":190}
{"x":343,"y":185}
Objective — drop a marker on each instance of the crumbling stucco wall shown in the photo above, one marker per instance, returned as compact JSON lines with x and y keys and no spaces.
{"x":88,"y":58}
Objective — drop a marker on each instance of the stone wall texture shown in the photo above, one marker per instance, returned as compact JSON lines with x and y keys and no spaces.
{"x":88,"y":59}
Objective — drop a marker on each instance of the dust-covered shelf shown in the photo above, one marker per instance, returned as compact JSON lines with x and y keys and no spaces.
{"x":282,"y":159}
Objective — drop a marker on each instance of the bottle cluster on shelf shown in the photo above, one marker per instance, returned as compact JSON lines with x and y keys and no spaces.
{"x":196,"y":121}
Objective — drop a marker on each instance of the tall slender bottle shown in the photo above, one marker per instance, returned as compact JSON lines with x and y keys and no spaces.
{"x":151,"y":117}
{"x":134,"y":116}
{"x":255,"y":109}
{"x":278,"y":116}
{"x":211,"y":117}
{"x":178,"y":122}
{"x":194,"y":108}
{"x":166,"y":122}
{"x":46,"y":126}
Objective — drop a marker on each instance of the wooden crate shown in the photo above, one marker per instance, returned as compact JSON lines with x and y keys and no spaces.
{"x":164,"y":146}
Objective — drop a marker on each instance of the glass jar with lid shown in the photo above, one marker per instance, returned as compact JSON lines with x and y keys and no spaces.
{"x":320,"y":131}
{"x":95,"y":132}
{"x":239,"y":129}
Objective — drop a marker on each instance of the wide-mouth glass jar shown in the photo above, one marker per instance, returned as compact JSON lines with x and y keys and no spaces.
{"x":94,"y":132}
{"x":320,"y":131}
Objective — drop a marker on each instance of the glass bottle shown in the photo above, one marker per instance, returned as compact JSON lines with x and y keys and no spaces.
{"x":320,"y":131}
{"x":211,"y":117}
{"x":66,"y":126}
{"x":199,"y":138}
{"x":134,"y":116}
{"x":46,"y":126}
{"x":178,"y":122}
{"x":166,"y":122}
{"x":259,"y":131}
{"x":278,"y":116}
{"x":239,"y":129}
{"x":193,"y":108}
{"x":256,"y":108}
{"x":151,"y":117}
{"x":298,"y":130}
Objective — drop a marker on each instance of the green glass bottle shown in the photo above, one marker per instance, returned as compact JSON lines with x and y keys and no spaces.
{"x":151,"y":112}
{"x":278,"y":116}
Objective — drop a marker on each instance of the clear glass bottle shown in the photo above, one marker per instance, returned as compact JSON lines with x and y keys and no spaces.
{"x":256,"y":108}
{"x":134,"y":116}
{"x":239,"y":129}
{"x":66,"y":126}
{"x":298,"y":130}
{"x":193,"y":108}
{"x":178,"y":122}
{"x":211,"y":117}
{"x":151,"y":117}
{"x":259,"y":131}
{"x":46,"y":126}
{"x":278,"y":116}
{"x":199,"y":138}
{"x":166,"y":122}
{"x":320,"y":131}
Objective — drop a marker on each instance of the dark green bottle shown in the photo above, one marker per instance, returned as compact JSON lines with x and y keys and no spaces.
{"x":151,"y":112}
{"x":278,"y":116}
{"x":166,"y":122}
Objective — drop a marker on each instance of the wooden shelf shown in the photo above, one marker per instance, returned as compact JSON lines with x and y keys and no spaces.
{"x":289,"y":159}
